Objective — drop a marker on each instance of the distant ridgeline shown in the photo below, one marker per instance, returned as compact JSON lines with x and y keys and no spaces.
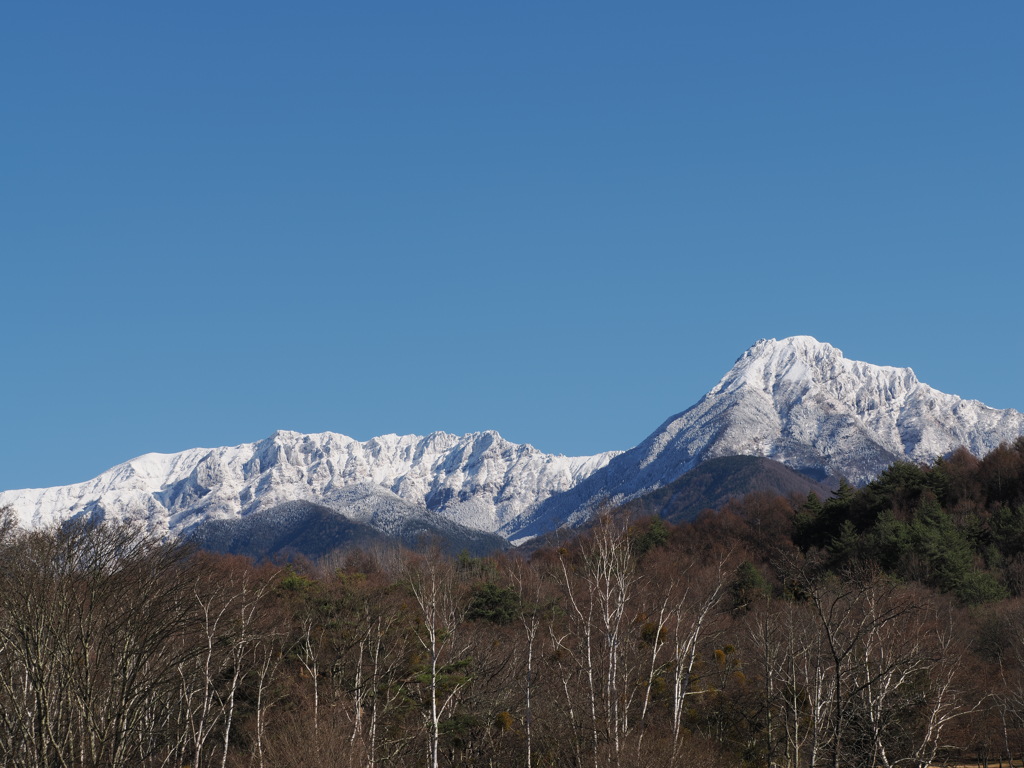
{"x":785,"y":407}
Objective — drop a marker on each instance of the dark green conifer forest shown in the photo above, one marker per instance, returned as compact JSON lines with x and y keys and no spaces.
{"x":880,"y":626}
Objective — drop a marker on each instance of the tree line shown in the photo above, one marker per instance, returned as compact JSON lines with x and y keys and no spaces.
{"x":883,"y":626}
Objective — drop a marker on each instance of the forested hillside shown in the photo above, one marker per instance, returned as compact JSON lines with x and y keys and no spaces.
{"x":882,"y":626}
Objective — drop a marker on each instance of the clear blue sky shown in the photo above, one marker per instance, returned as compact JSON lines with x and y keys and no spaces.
{"x":563,"y":221}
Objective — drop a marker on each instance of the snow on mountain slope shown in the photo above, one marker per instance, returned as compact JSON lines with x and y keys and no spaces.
{"x":479,"y":480}
{"x":800,"y":402}
{"x":797,"y":401}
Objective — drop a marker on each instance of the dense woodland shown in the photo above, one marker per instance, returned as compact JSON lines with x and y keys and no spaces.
{"x":882,"y":626}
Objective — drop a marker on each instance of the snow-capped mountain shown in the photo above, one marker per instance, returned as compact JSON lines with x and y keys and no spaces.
{"x":480,"y":481}
{"x":798,"y":401}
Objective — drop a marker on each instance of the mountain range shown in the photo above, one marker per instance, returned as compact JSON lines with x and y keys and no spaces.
{"x":796,"y":401}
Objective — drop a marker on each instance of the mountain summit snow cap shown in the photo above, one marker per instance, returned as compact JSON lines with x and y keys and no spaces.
{"x":799,"y":361}
{"x":806,"y":344}
{"x":806,"y":348}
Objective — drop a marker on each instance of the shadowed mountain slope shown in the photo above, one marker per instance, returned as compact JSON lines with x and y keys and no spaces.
{"x":715,"y":482}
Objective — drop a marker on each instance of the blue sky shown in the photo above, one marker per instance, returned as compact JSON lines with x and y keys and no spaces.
{"x":563,"y":221}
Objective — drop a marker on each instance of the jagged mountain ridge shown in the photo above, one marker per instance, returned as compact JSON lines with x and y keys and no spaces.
{"x":479,"y":480}
{"x":797,"y":401}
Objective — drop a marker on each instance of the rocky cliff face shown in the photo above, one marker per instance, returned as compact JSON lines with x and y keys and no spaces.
{"x":479,"y":480}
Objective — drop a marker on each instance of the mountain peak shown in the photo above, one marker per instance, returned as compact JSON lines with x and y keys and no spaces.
{"x":788,"y":367}
{"x":804,"y":348}
{"x":797,"y":401}
{"x":801,"y":343}
{"x":801,"y":402}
